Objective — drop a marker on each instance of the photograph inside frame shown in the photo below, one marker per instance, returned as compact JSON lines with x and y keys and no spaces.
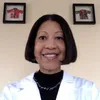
{"x":84,"y":13}
{"x":14,"y":12}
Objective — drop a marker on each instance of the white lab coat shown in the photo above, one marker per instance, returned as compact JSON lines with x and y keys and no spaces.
{"x":71,"y":88}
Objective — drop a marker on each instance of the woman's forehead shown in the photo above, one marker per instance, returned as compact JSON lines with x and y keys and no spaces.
{"x":51,"y":26}
{"x":50,"y":23}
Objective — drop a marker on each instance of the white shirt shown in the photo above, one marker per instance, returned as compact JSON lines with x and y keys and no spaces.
{"x":71,"y":88}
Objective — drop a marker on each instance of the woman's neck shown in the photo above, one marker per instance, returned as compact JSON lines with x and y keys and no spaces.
{"x":48,"y":79}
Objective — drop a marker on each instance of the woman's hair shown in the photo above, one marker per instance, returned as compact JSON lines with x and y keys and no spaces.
{"x":71,"y":50}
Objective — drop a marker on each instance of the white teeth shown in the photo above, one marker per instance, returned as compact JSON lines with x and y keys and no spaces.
{"x":50,"y":56}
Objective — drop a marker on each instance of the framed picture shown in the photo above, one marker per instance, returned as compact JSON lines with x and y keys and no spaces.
{"x":14,"y":13}
{"x":83,"y":14}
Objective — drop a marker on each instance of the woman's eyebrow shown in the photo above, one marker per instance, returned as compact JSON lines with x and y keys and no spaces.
{"x":59,"y":32}
{"x":42,"y":32}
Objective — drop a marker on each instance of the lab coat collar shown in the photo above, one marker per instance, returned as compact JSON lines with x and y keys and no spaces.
{"x":66,"y":88}
{"x":68,"y":78}
{"x":30,"y":91}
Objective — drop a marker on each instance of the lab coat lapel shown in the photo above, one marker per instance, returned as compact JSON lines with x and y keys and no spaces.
{"x":66,"y":88}
{"x":29,"y":91}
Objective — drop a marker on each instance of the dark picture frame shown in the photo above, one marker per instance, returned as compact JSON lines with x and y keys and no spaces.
{"x":14,"y":13}
{"x":83,"y":13}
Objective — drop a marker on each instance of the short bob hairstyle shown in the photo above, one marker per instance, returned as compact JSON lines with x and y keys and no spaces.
{"x":71,"y":50}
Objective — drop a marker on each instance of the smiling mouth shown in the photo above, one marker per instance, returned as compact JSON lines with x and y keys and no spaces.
{"x":50,"y":56}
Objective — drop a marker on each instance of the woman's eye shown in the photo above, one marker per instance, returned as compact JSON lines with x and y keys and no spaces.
{"x":59,"y":38}
{"x":42,"y":37}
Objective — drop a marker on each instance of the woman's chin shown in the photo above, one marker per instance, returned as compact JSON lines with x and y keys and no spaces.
{"x":50,"y":68}
{"x":50,"y":71}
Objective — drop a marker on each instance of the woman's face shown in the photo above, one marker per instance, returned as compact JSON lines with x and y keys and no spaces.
{"x":49,"y":47}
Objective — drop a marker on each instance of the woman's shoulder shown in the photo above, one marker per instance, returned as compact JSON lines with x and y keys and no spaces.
{"x":83,"y":83}
{"x":20,"y":84}
{"x":78,"y":81}
{"x":15,"y":87}
{"x":83,"y":87}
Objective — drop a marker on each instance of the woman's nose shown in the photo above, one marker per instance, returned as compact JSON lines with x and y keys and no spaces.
{"x":50,"y":44}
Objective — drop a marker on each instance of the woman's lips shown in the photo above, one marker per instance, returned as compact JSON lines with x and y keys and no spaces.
{"x":50,"y":56}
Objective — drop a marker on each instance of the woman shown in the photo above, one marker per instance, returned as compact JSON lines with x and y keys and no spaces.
{"x":51,"y":44}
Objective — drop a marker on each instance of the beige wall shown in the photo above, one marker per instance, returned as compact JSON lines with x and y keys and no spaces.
{"x":13,"y":38}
